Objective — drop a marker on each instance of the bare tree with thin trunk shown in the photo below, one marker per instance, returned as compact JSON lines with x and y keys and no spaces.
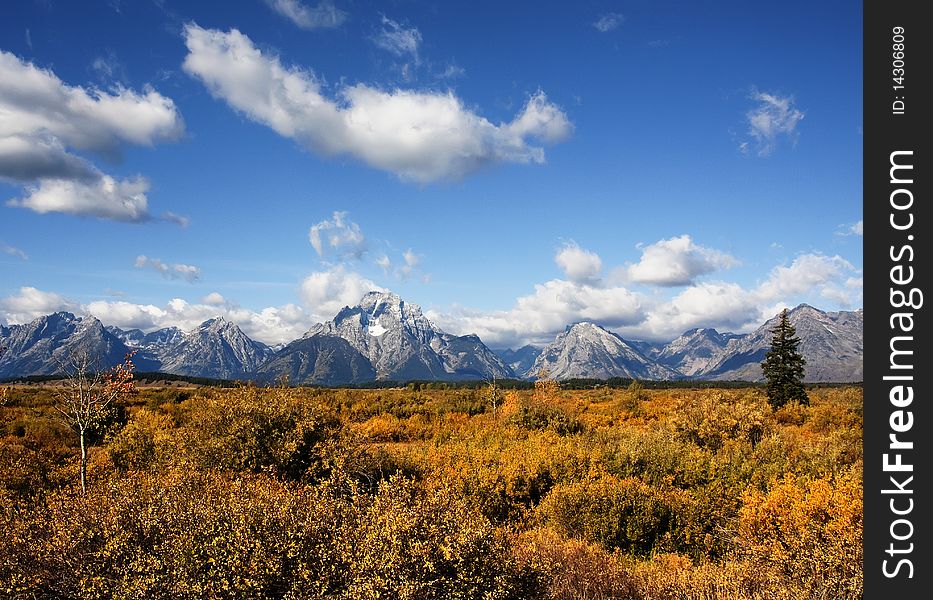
{"x":4,"y":391}
{"x":86,"y":399}
{"x":493,"y":395}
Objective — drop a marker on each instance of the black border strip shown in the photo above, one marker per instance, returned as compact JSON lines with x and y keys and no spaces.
{"x":895,"y":121}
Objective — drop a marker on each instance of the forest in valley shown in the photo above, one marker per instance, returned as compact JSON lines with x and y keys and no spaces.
{"x":414,"y":492}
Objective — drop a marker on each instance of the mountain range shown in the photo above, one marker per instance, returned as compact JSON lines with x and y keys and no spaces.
{"x":384,"y":338}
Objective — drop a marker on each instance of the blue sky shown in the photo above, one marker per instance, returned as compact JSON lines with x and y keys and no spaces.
{"x":650,"y":166}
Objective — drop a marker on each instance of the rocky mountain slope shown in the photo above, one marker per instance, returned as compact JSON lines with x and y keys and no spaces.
{"x":690,"y":353}
{"x":385,"y":338}
{"x":42,"y":346}
{"x":318,"y":360}
{"x":831,"y":342}
{"x":217,"y":349}
{"x":588,"y":350}
{"x":520,"y":361}
{"x":401,"y":344}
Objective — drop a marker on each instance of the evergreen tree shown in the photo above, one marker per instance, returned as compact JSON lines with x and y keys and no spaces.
{"x":783,"y":366}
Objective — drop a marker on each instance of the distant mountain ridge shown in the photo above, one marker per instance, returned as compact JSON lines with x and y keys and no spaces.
{"x":692,"y":352}
{"x":521,"y":361}
{"x":44,"y":345}
{"x":384,"y":338}
{"x":831,"y":342}
{"x":586,"y":350}
{"x":217,"y":349}
{"x":395,"y":338}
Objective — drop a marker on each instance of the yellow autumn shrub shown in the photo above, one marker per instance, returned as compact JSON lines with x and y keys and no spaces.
{"x":572,"y":569}
{"x":429,"y":543}
{"x":807,"y":531}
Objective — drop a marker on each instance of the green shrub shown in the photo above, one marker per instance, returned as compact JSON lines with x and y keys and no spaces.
{"x":618,"y":513}
{"x":538,"y":416}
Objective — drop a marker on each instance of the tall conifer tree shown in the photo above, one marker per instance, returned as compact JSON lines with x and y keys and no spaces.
{"x":783,"y":366}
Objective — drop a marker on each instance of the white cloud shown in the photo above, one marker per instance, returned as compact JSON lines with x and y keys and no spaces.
{"x":451,"y":72}
{"x":270,"y":325}
{"x":398,"y":39}
{"x":412,"y":262}
{"x":214,"y":299}
{"x":677,"y":261}
{"x":42,"y":120}
{"x":324,"y":293}
{"x":539,"y":316}
{"x":774,"y":116}
{"x":577,"y":263}
{"x":324,"y":15}
{"x":34,"y":101}
{"x":726,"y":306}
{"x":855,"y":283}
{"x":31,"y":303}
{"x":806,"y":273}
{"x":419,"y":136}
{"x":723,"y":306}
{"x":189,"y":273}
{"x":106,"y":198}
{"x":339,"y":236}
{"x":384,"y":263}
{"x":13,"y":251}
{"x":852,"y":229}
{"x":109,"y":68}
{"x":608,"y":22}
{"x":411,"y":259}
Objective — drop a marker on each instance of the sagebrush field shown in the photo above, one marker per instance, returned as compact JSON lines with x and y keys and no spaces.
{"x":436,"y":493}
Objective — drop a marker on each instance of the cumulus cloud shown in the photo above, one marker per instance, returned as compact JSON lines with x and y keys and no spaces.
{"x":189,"y":273}
{"x":324,"y":293}
{"x":398,"y":39}
{"x":270,"y":325}
{"x":727,"y":306}
{"x":43,"y":121}
{"x":608,"y":22}
{"x":577,"y":263}
{"x":418,"y":136}
{"x":806,"y":273}
{"x":337,"y":236}
{"x":723,"y":306}
{"x":214,"y":299}
{"x":677,"y":261}
{"x":851,"y":229}
{"x":322,"y":16}
{"x":773,"y":116}
{"x":13,"y":251}
{"x":105,"y":198}
{"x":31,"y":303}
{"x":537,"y":317}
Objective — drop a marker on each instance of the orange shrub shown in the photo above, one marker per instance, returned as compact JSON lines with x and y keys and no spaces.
{"x":570,"y":569}
{"x":808,"y":531}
